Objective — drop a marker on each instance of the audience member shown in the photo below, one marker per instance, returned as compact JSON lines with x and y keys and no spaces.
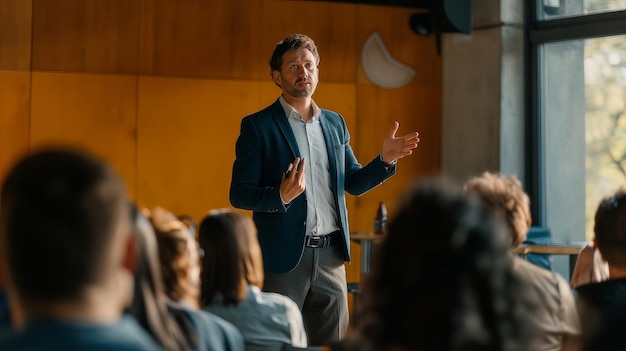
{"x":442,"y":280}
{"x":232,"y":278}
{"x":603,"y":304}
{"x":180,"y":268}
{"x":65,"y":236}
{"x":590,"y":267}
{"x":150,"y":303}
{"x":557,"y":318}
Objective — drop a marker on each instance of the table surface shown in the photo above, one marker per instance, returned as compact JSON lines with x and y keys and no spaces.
{"x":568,"y":248}
{"x":571,"y":248}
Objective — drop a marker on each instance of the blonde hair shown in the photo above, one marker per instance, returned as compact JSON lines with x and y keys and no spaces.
{"x":505,"y":196}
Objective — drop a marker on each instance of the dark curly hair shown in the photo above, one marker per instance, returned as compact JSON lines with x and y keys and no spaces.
{"x":442,"y":280}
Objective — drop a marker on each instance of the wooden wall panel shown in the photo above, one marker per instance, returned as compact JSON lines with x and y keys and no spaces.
{"x":177,"y":37}
{"x":188,"y":129}
{"x":228,"y":39}
{"x":216,"y":38}
{"x":93,"y":112}
{"x":331,"y":26}
{"x":15,"y":33}
{"x":250,"y":49}
{"x":14,"y":117}
{"x":172,"y":138}
{"x":86,"y":35}
{"x":417,"y":105}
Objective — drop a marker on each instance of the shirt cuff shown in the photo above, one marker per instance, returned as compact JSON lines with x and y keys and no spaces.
{"x":388,"y":165}
{"x":285,"y":204}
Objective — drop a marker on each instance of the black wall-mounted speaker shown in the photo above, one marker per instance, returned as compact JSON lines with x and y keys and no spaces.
{"x":446,"y":16}
{"x":456,"y":16}
{"x":443,"y":16}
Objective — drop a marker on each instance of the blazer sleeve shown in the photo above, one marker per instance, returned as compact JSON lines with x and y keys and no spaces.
{"x":247,"y":188}
{"x":359,"y":179}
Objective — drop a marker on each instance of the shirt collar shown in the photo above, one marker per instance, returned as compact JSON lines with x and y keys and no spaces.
{"x":291,"y":112}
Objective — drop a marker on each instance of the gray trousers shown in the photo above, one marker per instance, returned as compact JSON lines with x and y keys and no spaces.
{"x":318,"y":286}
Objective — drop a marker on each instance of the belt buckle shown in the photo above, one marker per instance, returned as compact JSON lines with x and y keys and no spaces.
{"x":320,"y":241}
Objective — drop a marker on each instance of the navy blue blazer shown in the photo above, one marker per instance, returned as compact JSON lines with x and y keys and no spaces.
{"x":264,"y":149}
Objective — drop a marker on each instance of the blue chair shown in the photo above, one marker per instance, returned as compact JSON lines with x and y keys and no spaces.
{"x":539,"y":236}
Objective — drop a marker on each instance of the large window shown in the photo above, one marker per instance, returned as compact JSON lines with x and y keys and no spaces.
{"x":577,"y":109}
{"x":551,"y":9}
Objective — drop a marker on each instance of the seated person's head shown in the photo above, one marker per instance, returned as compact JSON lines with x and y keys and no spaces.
{"x":178,"y":255}
{"x":232,"y":256}
{"x":148,"y":281}
{"x":505,"y":196}
{"x":150,"y":303}
{"x":610,"y":230}
{"x":65,"y":233}
{"x":443,"y":279}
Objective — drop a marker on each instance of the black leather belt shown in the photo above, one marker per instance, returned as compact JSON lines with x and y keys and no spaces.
{"x":321,"y":241}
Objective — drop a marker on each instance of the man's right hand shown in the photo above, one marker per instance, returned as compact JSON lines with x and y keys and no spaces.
{"x":294,"y":181}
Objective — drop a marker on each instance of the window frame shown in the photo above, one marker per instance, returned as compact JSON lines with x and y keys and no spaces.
{"x":537,"y":33}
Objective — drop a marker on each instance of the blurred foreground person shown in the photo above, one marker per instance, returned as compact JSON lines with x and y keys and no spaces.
{"x":603,"y":304}
{"x":590,"y":267}
{"x":556,"y":320}
{"x":67,"y":247}
{"x":179,"y":258}
{"x":150,"y":303}
{"x":442,"y":280}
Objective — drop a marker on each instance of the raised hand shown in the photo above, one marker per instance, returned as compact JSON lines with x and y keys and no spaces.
{"x":395,"y":148}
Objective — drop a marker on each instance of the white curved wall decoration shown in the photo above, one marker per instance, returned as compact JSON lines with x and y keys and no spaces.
{"x":380,"y":67}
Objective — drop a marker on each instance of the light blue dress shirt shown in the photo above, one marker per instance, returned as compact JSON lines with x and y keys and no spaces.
{"x":321,"y":211}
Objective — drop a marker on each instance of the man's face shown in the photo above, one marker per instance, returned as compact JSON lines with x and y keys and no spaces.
{"x":298,"y":75}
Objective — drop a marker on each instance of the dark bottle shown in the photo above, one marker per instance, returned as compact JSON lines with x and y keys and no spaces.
{"x":380,"y":222}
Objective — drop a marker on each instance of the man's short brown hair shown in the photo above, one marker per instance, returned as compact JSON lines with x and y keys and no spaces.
{"x":292,"y":42}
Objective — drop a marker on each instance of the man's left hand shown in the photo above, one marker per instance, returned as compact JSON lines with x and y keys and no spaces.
{"x":395,"y":148}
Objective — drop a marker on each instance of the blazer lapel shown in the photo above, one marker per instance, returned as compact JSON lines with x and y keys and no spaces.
{"x":279,"y":117}
{"x":331,"y":146}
